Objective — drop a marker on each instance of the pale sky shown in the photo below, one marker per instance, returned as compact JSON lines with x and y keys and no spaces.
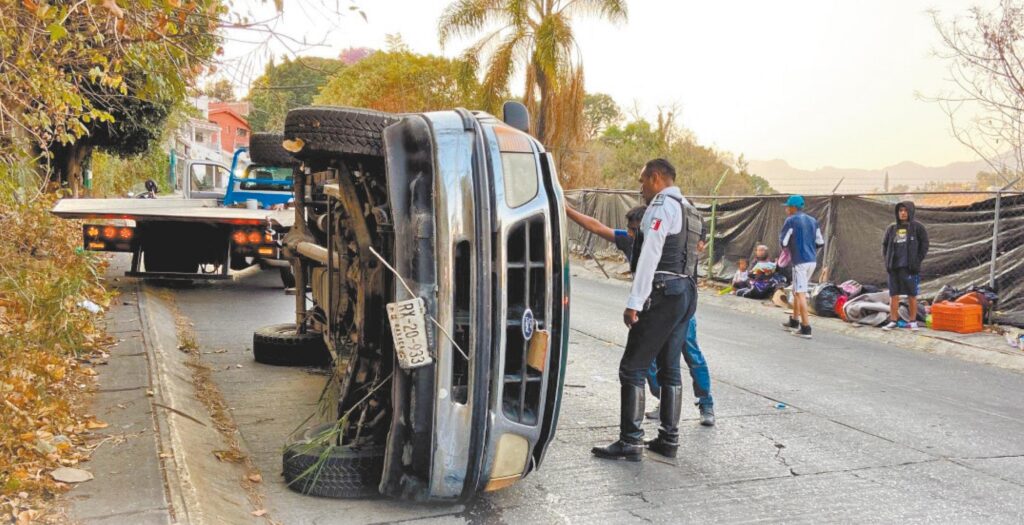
{"x":814,"y":82}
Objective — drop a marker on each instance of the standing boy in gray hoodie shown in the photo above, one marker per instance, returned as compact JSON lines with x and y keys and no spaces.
{"x":904,"y":248}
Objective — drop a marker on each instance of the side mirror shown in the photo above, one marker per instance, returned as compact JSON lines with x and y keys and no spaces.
{"x":516,"y":115}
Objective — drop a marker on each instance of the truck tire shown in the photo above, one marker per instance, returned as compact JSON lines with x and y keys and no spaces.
{"x":281,"y":345}
{"x":266,"y":149}
{"x":329,"y":131}
{"x":346,"y":472}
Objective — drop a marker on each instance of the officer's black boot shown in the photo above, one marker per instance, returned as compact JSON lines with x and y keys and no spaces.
{"x":630,"y":445}
{"x":667,"y":442}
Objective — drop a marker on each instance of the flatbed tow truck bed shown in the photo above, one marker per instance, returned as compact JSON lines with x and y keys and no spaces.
{"x":169,"y":208}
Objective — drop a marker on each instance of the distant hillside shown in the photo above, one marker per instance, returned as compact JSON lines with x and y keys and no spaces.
{"x":787,"y":179}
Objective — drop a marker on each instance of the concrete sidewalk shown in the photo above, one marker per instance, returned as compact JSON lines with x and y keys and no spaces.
{"x":127,"y":462}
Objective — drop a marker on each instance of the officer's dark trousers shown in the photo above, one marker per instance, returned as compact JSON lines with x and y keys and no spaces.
{"x":659,"y":335}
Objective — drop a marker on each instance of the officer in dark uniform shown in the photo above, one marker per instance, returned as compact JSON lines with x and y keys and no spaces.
{"x":661,"y":302}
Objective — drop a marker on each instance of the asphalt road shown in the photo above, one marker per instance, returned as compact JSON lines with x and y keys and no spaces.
{"x":838,"y":428}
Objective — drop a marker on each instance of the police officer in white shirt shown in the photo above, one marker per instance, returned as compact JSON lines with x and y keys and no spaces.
{"x":660,"y":304}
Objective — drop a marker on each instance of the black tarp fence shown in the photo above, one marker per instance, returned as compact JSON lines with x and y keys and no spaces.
{"x":961,"y":233}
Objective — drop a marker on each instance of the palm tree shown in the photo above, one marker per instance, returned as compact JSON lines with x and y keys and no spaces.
{"x":537,"y":36}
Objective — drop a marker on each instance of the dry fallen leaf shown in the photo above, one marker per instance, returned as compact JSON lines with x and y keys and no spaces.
{"x":255,"y":478}
{"x":89,"y":372}
{"x":259,"y":513}
{"x":70,"y":475}
{"x":93,"y":424}
{"x":26,"y":517}
{"x":228,"y":456}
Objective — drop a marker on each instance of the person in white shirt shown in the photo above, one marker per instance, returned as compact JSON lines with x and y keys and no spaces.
{"x":661,"y":302}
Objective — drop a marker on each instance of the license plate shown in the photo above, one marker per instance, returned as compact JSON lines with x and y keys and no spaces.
{"x":408,"y":329}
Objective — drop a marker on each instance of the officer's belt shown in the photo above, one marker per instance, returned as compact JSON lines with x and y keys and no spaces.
{"x":662,"y":276}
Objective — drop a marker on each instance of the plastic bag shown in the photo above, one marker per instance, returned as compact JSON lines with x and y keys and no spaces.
{"x":851,"y":288}
{"x":824,"y":298}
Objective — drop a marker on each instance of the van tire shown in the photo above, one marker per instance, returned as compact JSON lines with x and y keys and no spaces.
{"x":346,"y":472}
{"x":281,"y":345}
{"x":266,"y":149}
{"x":330,"y":131}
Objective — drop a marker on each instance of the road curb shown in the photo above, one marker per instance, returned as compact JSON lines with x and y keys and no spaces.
{"x":201,"y":488}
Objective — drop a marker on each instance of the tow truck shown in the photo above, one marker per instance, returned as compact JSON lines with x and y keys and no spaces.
{"x":214,"y":222}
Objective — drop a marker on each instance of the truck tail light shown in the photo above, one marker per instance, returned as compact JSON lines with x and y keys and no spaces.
{"x":255,"y":237}
{"x":108,"y":238}
{"x":240,"y":237}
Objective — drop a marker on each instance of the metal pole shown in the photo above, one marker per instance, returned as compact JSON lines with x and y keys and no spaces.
{"x":714,"y":220}
{"x":831,"y":216}
{"x":995,"y":234}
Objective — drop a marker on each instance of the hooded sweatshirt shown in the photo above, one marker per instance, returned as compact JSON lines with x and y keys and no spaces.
{"x":905,"y":244}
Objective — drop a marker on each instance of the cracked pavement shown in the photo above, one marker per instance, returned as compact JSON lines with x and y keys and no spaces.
{"x":869,"y":432}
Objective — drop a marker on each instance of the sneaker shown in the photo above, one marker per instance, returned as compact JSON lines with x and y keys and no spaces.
{"x":804,"y":331}
{"x":913,"y":326}
{"x":891,"y":325}
{"x":707,"y":415}
{"x":792,"y":324}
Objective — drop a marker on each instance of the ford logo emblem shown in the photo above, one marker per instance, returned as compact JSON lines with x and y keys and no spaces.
{"x":527,"y":325}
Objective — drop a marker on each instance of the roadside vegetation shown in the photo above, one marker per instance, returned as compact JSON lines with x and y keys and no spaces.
{"x":50,"y":333}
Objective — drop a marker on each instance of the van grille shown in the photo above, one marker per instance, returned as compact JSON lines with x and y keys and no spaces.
{"x":526,"y":287}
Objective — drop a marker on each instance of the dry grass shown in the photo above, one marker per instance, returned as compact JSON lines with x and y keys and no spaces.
{"x":46,"y":341}
{"x":208,"y":393}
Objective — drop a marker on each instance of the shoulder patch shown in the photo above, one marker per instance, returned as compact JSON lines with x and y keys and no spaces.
{"x":659,"y":199}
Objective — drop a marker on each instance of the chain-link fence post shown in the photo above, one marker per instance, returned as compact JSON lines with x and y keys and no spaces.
{"x":995,"y":234}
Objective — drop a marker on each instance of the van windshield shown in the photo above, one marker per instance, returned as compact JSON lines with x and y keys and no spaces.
{"x":268,"y":173}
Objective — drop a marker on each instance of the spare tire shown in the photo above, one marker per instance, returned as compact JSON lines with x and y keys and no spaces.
{"x":281,"y":345}
{"x":339,"y":471}
{"x":266,"y":149}
{"x":327,"y":131}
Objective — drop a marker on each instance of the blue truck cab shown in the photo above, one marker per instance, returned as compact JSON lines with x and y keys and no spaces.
{"x":269,"y":185}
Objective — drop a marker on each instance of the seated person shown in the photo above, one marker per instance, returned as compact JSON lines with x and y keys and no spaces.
{"x":741,"y":279}
{"x":764,"y":278}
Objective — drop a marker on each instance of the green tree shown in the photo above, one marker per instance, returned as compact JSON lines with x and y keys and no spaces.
{"x":536,"y":37}
{"x":221,"y":90}
{"x":285,"y":86}
{"x":401,"y":81}
{"x":621,"y":151}
{"x":78,"y":75}
{"x":600,"y":111}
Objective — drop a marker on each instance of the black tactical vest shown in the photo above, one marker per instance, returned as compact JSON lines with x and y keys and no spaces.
{"x":679,"y":255}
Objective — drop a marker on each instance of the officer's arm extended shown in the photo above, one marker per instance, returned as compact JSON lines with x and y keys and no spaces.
{"x":655,"y":233}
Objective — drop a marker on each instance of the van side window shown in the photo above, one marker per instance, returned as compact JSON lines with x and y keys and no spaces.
{"x":520,"y":174}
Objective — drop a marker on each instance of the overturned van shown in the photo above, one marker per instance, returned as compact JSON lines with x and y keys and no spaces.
{"x":433,"y":250}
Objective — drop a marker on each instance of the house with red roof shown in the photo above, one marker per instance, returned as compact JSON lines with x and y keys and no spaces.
{"x":234,"y":128}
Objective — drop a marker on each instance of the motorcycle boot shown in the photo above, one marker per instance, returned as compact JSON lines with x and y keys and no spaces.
{"x":630,"y":445}
{"x":667,"y":442}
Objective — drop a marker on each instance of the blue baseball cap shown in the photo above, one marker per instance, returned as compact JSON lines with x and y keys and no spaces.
{"x":796,"y":201}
